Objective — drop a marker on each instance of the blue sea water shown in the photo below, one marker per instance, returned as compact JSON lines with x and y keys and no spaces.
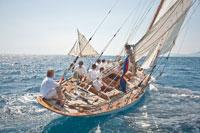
{"x":172,"y":103}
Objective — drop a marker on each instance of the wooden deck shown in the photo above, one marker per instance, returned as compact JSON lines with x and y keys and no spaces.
{"x":82,"y":99}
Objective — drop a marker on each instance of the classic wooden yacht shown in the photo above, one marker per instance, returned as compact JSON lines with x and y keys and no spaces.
{"x":82,"y":99}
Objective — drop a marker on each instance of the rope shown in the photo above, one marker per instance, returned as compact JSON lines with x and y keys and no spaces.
{"x":162,"y":34}
{"x":95,"y":31}
{"x":115,"y":34}
{"x":134,"y":21}
{"x":167,"y":58}
{"x":139,"y":22}
{"x":160,"y":26}
{"x":187,"y":22}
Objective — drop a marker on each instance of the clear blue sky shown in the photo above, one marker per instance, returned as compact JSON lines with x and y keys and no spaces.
{"x":49,"y":26}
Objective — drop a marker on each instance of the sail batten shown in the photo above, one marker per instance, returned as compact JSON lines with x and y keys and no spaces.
{"x":79,"y":48}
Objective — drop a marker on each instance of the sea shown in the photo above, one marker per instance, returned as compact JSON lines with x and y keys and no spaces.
{"x":171,"y":104}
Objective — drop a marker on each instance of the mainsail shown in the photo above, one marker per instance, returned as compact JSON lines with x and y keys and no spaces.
{"x":81,"y":49}
{"x":151,"y":58}
{"x":164,"y":30}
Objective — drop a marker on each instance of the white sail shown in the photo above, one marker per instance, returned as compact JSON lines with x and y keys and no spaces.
{"x":151,"y":57}
{"x":75,"y":50}
{"x":82,"y":47}
{"x":167,"y":4}
{"x":165,"y":28}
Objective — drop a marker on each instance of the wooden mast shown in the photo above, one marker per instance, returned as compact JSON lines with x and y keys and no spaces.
{"x":156,"y":14}
{"x":80,"y":54}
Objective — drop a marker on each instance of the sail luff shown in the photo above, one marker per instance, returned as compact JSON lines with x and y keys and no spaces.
{"x":85,"y":50}
{"x":74,"y":51}
{"x":156,"y":14}
{"x":165,"y":29}
{"x":166,"y":6}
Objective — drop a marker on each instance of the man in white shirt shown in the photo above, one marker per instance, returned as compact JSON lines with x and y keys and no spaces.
{"x":98,"y":64}
{"x":80,"y":71}
{"x":93,"y":76}
{"x":103,"y":63}
{"x":50,"y":88}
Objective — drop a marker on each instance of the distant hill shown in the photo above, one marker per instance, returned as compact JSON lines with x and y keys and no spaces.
{"x":196,"y":54}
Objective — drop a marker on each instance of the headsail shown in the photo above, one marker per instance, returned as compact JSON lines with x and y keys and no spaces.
{"x":165,"y":28}
{"x":78,"y":48}
{"x":151,"y":58}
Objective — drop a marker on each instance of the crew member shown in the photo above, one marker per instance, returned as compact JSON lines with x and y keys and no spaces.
{"x":131,"y":55}
{"x":80,"y":71}
{"x":50,"y":88}
{"x":98,"y":64}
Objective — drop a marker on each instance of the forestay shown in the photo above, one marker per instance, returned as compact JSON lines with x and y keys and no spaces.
{"x":164,"y":30}
{"x":78,"y":48}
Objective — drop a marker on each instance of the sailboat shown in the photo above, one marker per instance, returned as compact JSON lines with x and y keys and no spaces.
{"x":82,"y":99}
{"x":78,"y":47}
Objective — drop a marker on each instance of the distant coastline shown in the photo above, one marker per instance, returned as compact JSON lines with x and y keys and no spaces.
{"x":195,"y":54}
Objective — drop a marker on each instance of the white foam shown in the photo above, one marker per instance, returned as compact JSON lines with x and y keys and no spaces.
{"x":182,"y":92}
{"x":153,"y":87}
{"x":28,"y":98}
{"x":153,"y":79}
{"x":98,"y":130}
{"x":40,"y":110}
{"x":186,"y":95}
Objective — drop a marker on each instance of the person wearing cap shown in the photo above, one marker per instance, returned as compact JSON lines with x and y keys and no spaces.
{"x":80,"y":71}
{"x":131,"y":56}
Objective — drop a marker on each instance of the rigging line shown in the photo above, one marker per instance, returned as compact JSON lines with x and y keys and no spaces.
{"x":159,"y":21}
{"x":187,"y":21}
{"x":115,"y":34}
{"x":72,"y":47}
{"x":140,"y":83}
{"x":165,"y":31}
{"x":138,"y":18}
{"x":142,"y":19}
{"x":133,"y":20}
{"x":168,"y":28}
{"x":139,"y":22}
{"x":178,"y":2}
{"x":118,"y":57}
{"x":164,"y":61}
{"x":100,"y":24}
{"x":163,"y":34}
{"x":186,"y":27}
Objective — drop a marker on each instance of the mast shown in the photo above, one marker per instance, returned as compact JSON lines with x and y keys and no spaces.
{"x":156,"y":14}
{"x":79,"y":44}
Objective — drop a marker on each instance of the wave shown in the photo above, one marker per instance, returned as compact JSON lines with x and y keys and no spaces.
{"x":175,"y":91}
{"x":21,"y":105}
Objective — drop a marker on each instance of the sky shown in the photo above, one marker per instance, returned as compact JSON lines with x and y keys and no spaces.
{"x":49,"y":26}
